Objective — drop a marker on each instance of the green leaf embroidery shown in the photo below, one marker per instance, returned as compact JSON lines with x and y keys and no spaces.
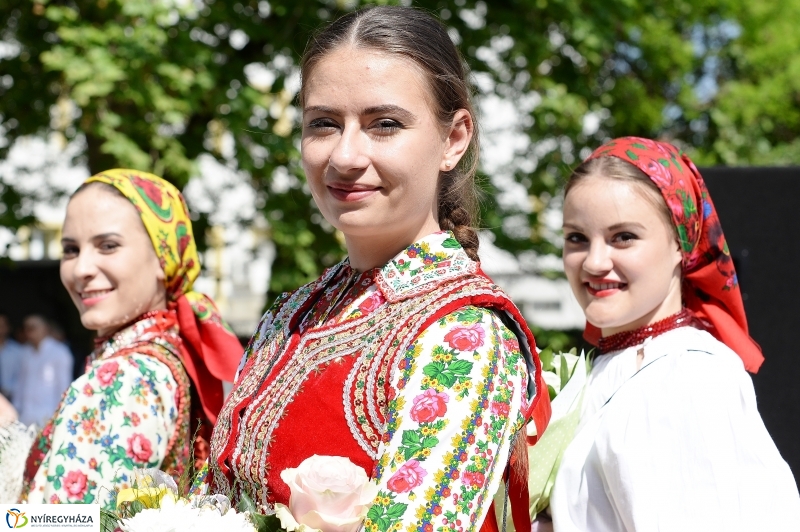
{"x":451,"y":243}
{"x":396,"y":510}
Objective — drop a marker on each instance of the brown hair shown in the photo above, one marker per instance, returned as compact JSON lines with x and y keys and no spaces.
{"x":420,"y":37}
{"x":98,"y":184}
{"x":616,"y":168}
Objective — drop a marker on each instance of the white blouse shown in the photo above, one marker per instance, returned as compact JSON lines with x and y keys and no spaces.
{"x":677,"y":446}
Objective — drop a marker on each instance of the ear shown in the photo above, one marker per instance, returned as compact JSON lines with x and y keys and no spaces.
{"x":677,"y":254}
{"x":459,"y":135}
{"x":160,"y":275}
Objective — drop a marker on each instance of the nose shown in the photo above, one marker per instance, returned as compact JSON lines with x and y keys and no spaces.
{"x":598,"y":259}
{"x":84,"y":266}
{"x":350,"y":153}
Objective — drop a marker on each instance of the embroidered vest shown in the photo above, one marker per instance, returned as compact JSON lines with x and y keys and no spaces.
{"x":152,"y":336}
{"x":327,"y":391}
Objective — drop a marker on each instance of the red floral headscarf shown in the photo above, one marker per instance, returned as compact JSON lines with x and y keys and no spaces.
{"x":710,"y":287}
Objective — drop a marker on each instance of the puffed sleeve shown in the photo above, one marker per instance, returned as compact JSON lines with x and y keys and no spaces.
{"x":118,"y":416}
{"x":458,"y":399}
{"x":689,"y":451}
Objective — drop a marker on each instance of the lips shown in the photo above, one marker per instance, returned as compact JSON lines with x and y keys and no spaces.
{"x":604,"y":288}
{"x":351,"y":191}
{"x":92,"y":297}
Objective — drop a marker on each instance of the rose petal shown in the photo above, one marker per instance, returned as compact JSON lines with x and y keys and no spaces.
{"x":368,"y":493}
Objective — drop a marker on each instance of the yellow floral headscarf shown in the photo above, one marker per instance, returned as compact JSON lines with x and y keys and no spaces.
{"x":212,"y":350}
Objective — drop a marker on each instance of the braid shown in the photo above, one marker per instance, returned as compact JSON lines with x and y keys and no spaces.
{"x":458,"y":206}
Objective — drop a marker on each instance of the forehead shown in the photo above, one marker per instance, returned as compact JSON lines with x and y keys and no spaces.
{"x":606,"y":201}
{"x":96,"y":208}
{"x":358,"y":78}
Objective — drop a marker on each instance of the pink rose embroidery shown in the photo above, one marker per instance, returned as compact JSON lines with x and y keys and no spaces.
{"x":511,"y":345}
{"x":466,"y":338}
{"x":500,"y":409}
{"x":139,"y":448}
{"x":371,"y":303}
{"x":107,"y":372}
{"x":75,"y":484}
{"x":474,"y":479}
{"x":428,"y":406}
{"x":408,"y":477}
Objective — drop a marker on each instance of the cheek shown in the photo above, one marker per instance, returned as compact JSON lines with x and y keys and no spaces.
{"x":573,"y":262}
{"x":314,"y":155}
{"x":65,"y":272}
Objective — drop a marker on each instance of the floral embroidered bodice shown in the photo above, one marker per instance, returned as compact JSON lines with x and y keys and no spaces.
{"x":127,"y":411}
{"x":409,"y":370}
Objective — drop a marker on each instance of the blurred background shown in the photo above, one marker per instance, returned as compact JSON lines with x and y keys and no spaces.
{"x":203,"y":92}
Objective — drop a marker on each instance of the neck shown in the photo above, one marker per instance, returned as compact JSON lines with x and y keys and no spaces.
{"x":671,"y":305}
{"x":111,"y":331}
{"x":373,"y":251}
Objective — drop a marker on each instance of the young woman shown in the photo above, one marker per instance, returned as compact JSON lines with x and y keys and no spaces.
{"x":670,"y":436}
{"x":404,"y":357}
{"x":129,"y":262}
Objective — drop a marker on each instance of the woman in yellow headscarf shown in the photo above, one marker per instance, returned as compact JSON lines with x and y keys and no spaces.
{"x":129,"y":262}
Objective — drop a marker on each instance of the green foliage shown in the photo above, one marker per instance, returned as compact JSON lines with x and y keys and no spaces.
{"x":152,"y":85}
{"x":263,"y":523}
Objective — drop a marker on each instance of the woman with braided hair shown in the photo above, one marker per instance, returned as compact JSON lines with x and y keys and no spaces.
{"x":404,"y":358}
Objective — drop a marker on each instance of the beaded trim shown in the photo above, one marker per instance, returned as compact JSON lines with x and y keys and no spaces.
{"x":625,"y":339}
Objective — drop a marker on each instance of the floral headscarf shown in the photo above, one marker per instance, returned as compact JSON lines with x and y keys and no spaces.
{"x":710,"y":287}
{"x":212,"y":351}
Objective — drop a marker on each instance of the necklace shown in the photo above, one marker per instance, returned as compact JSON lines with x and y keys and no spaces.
{"x":622,"y":340}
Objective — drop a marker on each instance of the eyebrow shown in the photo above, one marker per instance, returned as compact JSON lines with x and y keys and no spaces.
{"x":95,"y":237}
{"x":614,"y":227}
{"x":404,"y":114}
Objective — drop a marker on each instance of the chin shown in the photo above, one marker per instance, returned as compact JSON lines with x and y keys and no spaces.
{"x":602,"y":319}
{"x":95,"y":322}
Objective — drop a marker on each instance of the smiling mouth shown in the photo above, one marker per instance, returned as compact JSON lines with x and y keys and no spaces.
{"x":95,"y":294}
{"x":604,"y":289}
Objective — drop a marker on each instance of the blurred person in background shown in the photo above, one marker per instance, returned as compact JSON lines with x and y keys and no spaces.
{"x":129,"y":263}
{"x":11,"y":353}
{"x":57,"y":333}
{"x":45,"y":371}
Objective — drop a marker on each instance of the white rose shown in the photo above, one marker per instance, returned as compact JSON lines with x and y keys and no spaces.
{"x":328,"y":493}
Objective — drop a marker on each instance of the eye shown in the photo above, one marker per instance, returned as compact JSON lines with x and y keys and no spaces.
{"x":108,"y":246}
{"x":387,"y":126}
{"x":322,"y":124}
{"x":69,"y":251}
{"x":625,"y":238}
{"x":575,"y":238}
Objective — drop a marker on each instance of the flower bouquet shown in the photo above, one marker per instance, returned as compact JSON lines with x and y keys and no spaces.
{"x":328,"y":494}
{"x":566,"y":375}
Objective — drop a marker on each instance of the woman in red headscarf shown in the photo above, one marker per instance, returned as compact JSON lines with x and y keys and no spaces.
{"x":670,"y":436}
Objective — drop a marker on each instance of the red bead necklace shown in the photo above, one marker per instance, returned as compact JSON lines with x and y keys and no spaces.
{"x":625,"y":339}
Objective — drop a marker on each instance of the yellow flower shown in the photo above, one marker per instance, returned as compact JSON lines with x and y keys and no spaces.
{"x":148,"y":497}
